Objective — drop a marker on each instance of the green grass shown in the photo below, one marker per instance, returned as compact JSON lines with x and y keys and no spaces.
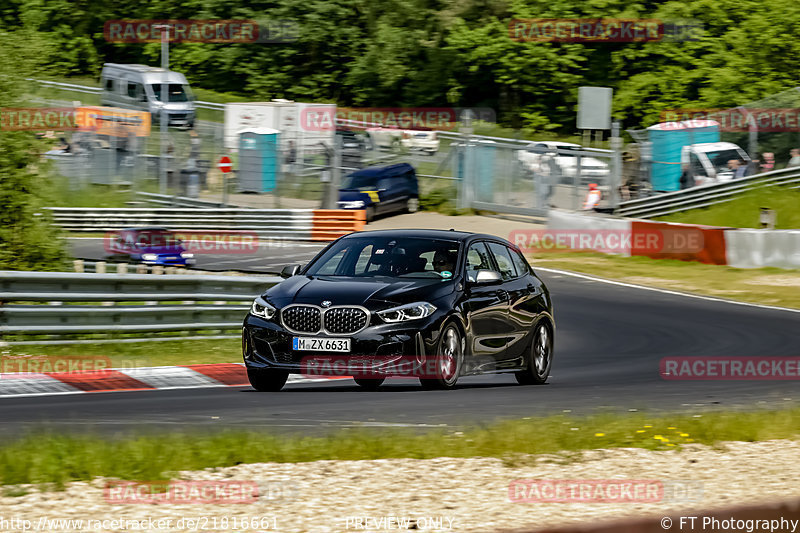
{"x":142,"y":354}
{"x":45,"y":458}
{"x":744,"y":211}
{"x":770,"y":286}
{"x":90,"y":195}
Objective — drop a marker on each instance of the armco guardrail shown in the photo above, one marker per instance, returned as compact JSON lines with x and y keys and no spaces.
{"x":290,"y":224}
{"x":97,"y":90}
{"x":61,"y":303}
{"x":176,"y":201}
{"x":706,"y":195}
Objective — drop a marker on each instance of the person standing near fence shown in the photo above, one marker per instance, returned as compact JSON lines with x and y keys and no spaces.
{"x":593,"y":198}
{"x":291,"y":157}
{"x":767,"y":161}
{"x":795,"y":159}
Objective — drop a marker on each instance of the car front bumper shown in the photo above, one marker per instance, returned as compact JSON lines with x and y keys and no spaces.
{"x":266,"y":344}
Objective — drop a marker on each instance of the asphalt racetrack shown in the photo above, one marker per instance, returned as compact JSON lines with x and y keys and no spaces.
{"x":609,"y":342}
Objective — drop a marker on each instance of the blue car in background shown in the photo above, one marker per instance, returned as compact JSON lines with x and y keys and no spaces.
{"x":381,"y":190}
{"x":151,"y":246}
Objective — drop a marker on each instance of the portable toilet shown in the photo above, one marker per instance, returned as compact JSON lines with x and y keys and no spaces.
{"x":259,"y":160}
{"x":668,"y":140}
{"x":481,"y":160}
{"x":485,"y":153}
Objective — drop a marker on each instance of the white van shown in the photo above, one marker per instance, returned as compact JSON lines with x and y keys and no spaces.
{"x":708,"y":162}
{"x":139,"y":87}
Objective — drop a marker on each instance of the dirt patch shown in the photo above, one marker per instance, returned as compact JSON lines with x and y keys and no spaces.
{"x":777,"y":280}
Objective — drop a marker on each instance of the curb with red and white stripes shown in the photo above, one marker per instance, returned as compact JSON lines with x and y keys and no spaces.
{"x":130,"y":379}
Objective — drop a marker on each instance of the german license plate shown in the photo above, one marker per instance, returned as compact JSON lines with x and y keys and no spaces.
{"x":320,"y":344}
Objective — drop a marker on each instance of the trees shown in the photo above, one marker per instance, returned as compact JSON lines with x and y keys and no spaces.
{"x":453,"y":52}
{"x":27,"y":239}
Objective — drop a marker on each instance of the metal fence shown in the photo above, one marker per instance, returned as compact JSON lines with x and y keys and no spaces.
{"x":62,"y":305}
{"x":457,"y":168}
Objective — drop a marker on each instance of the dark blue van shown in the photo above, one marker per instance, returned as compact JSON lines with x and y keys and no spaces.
{"x":381,"y":190}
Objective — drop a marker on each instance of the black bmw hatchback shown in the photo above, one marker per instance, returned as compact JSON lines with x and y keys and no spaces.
{"x":430,"y":304}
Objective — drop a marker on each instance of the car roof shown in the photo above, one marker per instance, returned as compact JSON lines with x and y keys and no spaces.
{"x":382,"y":170}
{"x":426,"y":233}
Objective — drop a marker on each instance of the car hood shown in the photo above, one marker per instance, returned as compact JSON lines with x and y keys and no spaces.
{"x":349,"y":195}
{"x":353,"y":291}
{"x":160,"y":249}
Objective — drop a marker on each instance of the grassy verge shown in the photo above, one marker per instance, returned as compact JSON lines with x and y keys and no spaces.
{"x":744,"y":211}
{"x":54,"y":458}
{"x":141,"y":354}
{"x":770,"y":286}
{"x":90,"y":195}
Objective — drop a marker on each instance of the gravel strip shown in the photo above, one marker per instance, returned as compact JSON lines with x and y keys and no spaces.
{"x":444,"y":494}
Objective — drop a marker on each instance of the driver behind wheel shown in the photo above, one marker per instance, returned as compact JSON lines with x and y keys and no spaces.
{"x":444,"y":261}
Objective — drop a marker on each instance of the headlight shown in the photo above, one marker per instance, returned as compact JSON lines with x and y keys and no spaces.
{"x":149,"y":257}
{"x":262,"y":308}
{"x":407,"y":312}
{"x":186,"y":255}
{"x":355,"y":204}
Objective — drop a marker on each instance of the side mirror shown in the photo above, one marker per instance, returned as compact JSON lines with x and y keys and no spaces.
{"x":289,"y":271}
{"x":487,"y":277}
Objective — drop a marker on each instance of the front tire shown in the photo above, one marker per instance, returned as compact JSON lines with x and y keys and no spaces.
{"x":540,"y":358}
{"x":267,"y":380}
{"x":370,"y":214}
{"x":448,"y":362}
{"x":369,"y":383}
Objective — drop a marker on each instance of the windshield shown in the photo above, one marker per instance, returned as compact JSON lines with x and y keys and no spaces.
{"x":149,"y":239}
{"x":177,"y":93}
{"x":356,"y":181}
{"x":719,"y":159}
{"x":389,"y":257}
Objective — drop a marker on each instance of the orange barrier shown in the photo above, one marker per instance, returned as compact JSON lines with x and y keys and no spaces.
{"x":330,"y":224}
{"x":687,"y":242}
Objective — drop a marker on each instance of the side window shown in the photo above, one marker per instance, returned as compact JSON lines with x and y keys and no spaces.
{"x":110,"y":85}
{"x":504,"y":263}
{"x":131,"y":90}
{"x":477,"y":259}
{"x":428,"y":257}
{"x":363,"y":260}
{"x":519,"y":262}
{"x":696,"y":166}
{"x":385,"y":183}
